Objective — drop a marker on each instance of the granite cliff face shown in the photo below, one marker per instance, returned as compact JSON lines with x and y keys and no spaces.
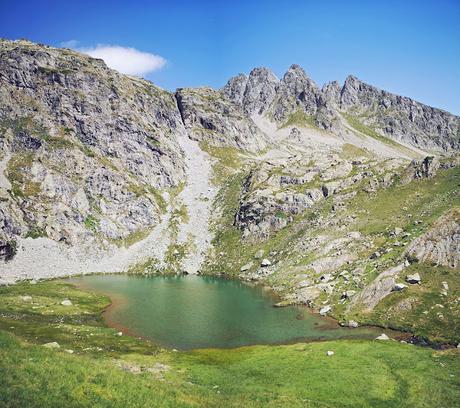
{"x":84,"y":149}
{"x":441,"y":244}
{"x":211,"y":118}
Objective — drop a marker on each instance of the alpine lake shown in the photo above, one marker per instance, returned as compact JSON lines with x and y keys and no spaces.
{"x":190,"y":312}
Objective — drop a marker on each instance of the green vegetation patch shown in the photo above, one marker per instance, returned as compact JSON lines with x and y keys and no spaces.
{"x":174,"y":255}
{"x":158,"y":198}
{"x":228,"y":160}
{"x":57,"y":143}
{"x":281,"y":214}
{"x":17,"y":171}
{"x":350,"y":151}
{"x":92,"y":223}
{"x":36,"y":232}
{"x":364,"y":374}
{"x":428,"y":310}
{"x":56,"y":71}
{"x":141,"y":190}
{"x":147,"y":267}
{"x":134,"y":237}
{"x":401,"y":205}
{"x":35,"y":313}
{"x":414,"y":207}
{"x":26,"y":124}
{"x":300,"y":118}
{"x":87,"y":151}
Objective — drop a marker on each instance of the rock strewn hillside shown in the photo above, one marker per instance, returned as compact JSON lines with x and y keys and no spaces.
{"x":315,"y":192}
{"x":87,"y":153}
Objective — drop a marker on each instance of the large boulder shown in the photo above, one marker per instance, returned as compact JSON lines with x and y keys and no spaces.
{"x":413,"y":278}
{"x":440,"y":245}
{"x":419,"y":169}
{"x":379,"y":288}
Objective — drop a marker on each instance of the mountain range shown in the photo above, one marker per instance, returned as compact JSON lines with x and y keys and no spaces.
{"x":328,"y":195}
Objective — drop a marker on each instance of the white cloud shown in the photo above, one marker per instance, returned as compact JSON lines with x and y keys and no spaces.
{"x":126,"y":60}
{"x":69,"y":44}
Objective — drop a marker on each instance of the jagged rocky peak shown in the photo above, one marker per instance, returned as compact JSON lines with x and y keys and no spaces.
{"x":235,"y":88}
{"x":296,"y":92}
{"x":297,"y":81}
{"x":328,"y":99}
{"x":260,"y":90}
{"x":397,"y":117}
{"x":351,"y":91}
{"x":253,"y":93}
{"x":330,"y":93}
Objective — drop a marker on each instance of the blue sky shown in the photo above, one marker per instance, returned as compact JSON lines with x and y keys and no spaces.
{"x":407,"y":47}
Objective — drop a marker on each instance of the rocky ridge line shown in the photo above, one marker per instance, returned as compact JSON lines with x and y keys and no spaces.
{"x":397,"y":117}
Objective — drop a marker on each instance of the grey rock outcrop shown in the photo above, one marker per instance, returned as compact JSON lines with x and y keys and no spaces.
{"x":211,"y":118}
{"x":441,"y":244}
{"x":295,"y":92}
{"x":413,"y":278}
{"x":419,"y":169}
{"x":330,"y":93}
{"x":260,"y":91}
{"x":252,"y":94}
{"x":235,"y":88}
{"x":263,"y":211}
{"x":381,"y":287}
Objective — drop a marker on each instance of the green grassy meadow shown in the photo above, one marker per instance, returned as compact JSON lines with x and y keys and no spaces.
{"x":106,"y":370}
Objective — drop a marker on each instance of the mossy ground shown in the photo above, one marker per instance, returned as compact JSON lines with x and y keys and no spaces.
{"x":361,"y":373}
{"x":228,"y":160}
{"x":350,"y":151}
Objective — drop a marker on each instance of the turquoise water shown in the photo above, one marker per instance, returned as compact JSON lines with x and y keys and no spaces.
{"x":199,"y":312}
